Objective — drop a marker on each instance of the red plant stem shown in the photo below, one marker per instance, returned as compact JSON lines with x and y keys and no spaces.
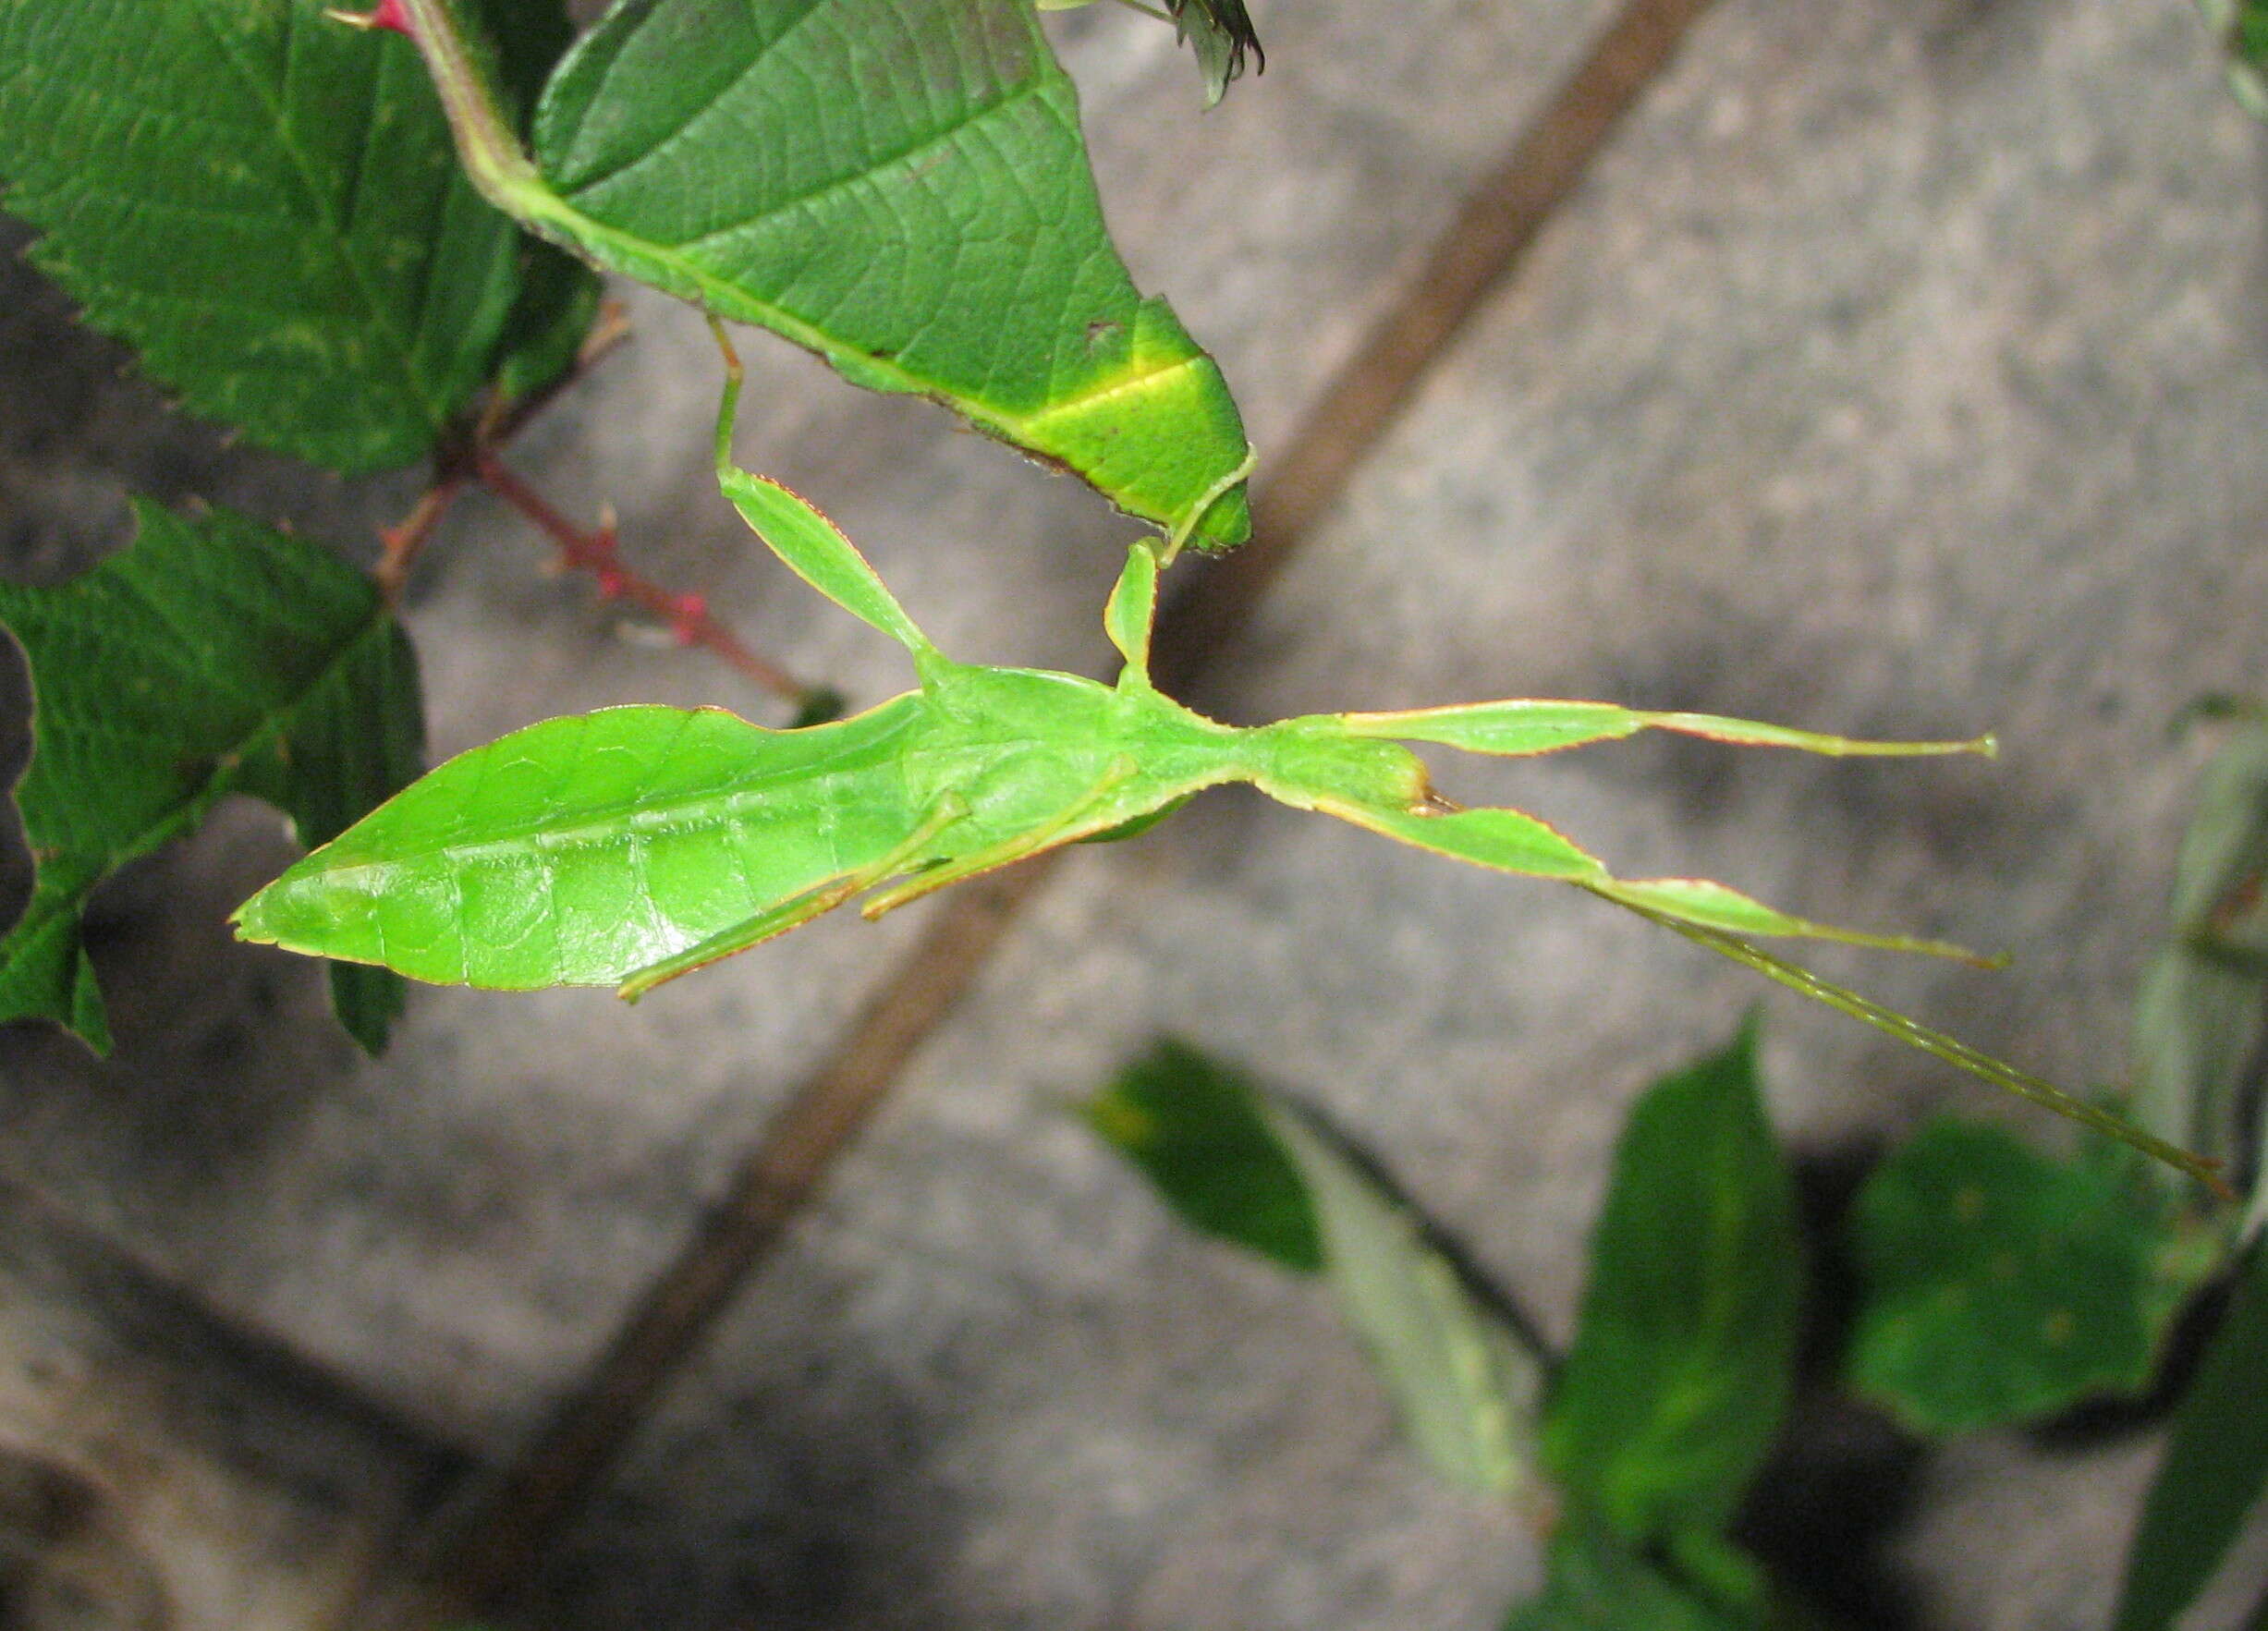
{"x":686,"y":615}
{"x":406,"y":541}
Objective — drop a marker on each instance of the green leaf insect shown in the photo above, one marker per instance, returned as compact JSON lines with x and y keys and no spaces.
{"x":631,"y":845}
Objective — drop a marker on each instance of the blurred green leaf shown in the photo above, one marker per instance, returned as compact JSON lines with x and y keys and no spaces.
{"x":1596,"y":1581}
{"x":1682,"y":1362}
{"x":2198,"y":1019}
{"x":2242,"y":26}
{"x":1197,"y":1131}
{"x":212,"y":656}
{"x":1245,"y":1166}
{"x":2216,"y":1467}
{"x":1464,"y":1383}
{"x":2001,"y":1285}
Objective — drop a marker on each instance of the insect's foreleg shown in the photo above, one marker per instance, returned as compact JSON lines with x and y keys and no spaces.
{"x":1063,"y":827}
{"x":797,"y":908}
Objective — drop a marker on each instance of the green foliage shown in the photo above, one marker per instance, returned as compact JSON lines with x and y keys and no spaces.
{"x":2242,"y":26}
{"x":2198,"y":1017}
{"x":2001,"y":1285}
{"x":1595,"y":1581}
{"x":1463,"y":1383}
{"x":1683,"y":1360}
{"x":1252,"y":1168}
{"x":1197,"y":1130}
{"x":265,"y":204}
{"x":210,"y":657}
{"x":943,"y":237}
{"x":2215,"y":1469}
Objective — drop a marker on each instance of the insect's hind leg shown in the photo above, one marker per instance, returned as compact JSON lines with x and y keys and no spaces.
{"x":796,"y":909}
{"x":1058,"y":829}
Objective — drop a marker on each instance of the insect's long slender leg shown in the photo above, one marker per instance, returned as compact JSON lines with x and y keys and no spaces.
{"x":1059,"y":828}
{"x":797,"y":908}
{"x":728,"y":409}
{"x":1131,"y":613}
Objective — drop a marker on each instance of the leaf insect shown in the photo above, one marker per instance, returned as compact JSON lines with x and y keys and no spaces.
{"x":634,"y":845}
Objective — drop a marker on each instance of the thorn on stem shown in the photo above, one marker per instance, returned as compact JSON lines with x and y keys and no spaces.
{"x":687,"y":621}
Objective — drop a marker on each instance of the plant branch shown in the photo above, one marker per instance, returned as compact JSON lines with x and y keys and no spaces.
{"x":594,"y":552}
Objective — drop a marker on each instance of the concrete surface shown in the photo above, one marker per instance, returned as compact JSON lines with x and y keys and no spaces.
{"x":1899,"y":370}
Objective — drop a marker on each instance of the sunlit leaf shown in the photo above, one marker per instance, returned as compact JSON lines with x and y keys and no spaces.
{"x":937,"y":233}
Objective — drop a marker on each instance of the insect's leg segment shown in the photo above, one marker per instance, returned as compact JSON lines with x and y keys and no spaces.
{"x":1132,"y":608}
{"x":811,"y":546}
{"x":1058,"y":829}
{"x":797,"y":908}
{"x":728,"y":409}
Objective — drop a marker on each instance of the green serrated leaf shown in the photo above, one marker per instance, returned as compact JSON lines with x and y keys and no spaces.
{"x":1462,"y":1379}
{"x":265,"y":203}
{"x":2215,"y":1469}
{"x":210,"y":657}
{"x":1197,"y":1130}
{"x":2000,"y":1286}
{"x":1683,"y":1358}
{"x":1598,"y":1582}
{"x":937,"y":233}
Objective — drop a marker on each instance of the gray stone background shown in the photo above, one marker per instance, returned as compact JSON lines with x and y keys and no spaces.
{"x":1899,"y":368}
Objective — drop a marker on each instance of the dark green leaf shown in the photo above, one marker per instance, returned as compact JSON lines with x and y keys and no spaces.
{"x":1681,"y":1364}
{"x":2001,"y":1285}
{"x":2197,"y":1015}
{"x":900,"y":185}
{"x":266,"y":204}
{"x":2215,"y":1469}
{"x":1598,"y":1582}
{"x":1220,"y":32}
{"x":1197,"y":1130}
{"x":1254,"y":1170}
{"x":212,"y":657}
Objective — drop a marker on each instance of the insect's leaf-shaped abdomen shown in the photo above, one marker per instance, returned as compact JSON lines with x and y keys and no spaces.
{"x":582,"y":849}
